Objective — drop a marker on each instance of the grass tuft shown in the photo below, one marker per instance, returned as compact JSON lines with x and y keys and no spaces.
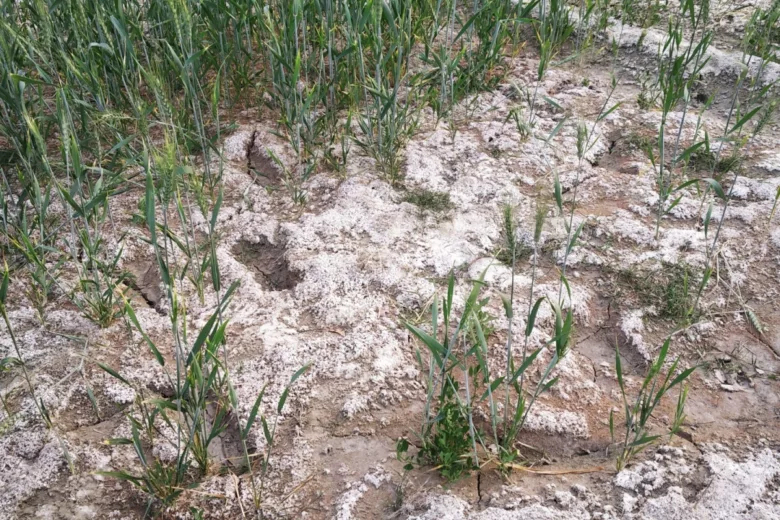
{"x":670,"y":290}
{"x":707,"y":161}
{"x":429,"y":200}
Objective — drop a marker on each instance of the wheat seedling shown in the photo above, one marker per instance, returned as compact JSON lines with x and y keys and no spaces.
{"x":637,"y":414}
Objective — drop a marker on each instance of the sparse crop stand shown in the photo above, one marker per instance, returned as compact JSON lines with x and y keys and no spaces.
{"x":362,"y":259}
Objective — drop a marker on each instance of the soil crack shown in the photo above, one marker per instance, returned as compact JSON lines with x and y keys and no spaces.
{"x":249,"y":149}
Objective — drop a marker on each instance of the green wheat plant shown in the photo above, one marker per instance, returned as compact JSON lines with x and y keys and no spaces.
{"x":203,"y":400}
{"x":388,"y":121}
{"x":286,"y":32}
{"x":30,"y":240}
{"x":638,"y":411}
{"x":586,"y":139}
{"x":552,"y":30}
{"x":450,"y":438}
{"x":592,"y":20}
{"x":758,"y":114}
{"x":518,"y":401}
{"x":19,"y":360}
{"x":447,"y":434}
{"x":763,"y":32}
{"x":10,"y":362}
{"x":678,"y":70}
{"x":491,"y":25}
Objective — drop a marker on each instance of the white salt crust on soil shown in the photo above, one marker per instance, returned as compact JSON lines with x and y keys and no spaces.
{"x":658,"y":489}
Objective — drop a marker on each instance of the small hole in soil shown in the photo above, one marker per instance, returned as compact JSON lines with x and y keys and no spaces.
{"x":145,"y":281}
{"x":262,"y":167}
{"x":268,"y":263}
